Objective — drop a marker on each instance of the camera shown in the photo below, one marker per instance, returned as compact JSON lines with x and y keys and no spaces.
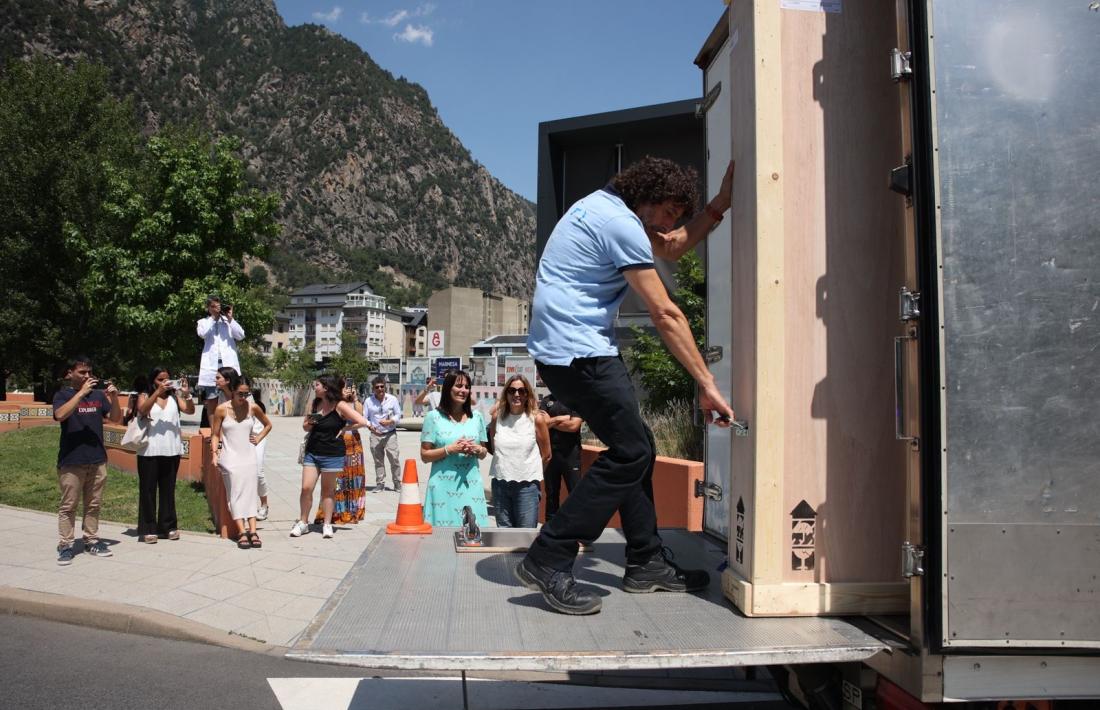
{"x":101,"y":384}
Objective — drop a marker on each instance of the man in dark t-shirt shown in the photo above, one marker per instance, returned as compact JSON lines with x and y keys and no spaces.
{"x":80,"y":409}
{"x":565,"y":452}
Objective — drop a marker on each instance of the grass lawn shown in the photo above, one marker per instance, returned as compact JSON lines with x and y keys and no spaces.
{"x":28,"y":479}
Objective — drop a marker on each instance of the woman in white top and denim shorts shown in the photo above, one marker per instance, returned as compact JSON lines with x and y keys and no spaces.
{"x":519,"y":437}
{"x":158,"y":459}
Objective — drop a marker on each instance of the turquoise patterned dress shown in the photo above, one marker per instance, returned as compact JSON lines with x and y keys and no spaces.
{"x":455,"y":481}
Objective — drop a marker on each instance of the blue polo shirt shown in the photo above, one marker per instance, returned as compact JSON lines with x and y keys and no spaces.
{"x":580,"y":284}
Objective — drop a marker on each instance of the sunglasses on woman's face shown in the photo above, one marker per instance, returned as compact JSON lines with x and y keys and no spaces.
{"x":242,"y":394}
{"x":517,"y":390}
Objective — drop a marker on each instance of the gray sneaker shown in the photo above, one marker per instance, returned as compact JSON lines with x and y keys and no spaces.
{"x":98,"y":549}
{"x":65,"y":556}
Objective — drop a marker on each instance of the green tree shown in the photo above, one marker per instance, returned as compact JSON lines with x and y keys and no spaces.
{"x":258,"y":275}
{"x":60,"y":129}
{"x":294,"y":366}
{"x":349,"y":362}
{"x":184,"y":221}
{"x":663,"y":377}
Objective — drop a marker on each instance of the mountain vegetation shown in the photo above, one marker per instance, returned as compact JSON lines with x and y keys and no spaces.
{"x":371,"y":183}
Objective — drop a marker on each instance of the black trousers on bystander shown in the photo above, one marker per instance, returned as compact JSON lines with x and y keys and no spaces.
{"x":157,"y":479}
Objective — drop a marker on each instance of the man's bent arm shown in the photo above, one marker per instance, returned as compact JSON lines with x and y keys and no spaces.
{"x":203,"y":326}
{"x":674,"y":330}
{"x":674,"y":244}
{"x":66,"y":410}
{"x":566,"y":423}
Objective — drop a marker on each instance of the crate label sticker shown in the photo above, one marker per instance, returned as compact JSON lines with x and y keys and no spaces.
{"x":803,"y":528}
{"x":739,"y":547}
{"x":811,"y":5}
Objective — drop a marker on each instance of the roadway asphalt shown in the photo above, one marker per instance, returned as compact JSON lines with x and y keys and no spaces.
{"x":48,"y":665}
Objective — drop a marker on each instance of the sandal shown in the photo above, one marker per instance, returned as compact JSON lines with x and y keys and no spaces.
{"x":149,"y":539}
{"x":254,"y":538}
{"x":243,"y":541}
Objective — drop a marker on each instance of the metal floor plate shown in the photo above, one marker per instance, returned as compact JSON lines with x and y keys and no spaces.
{"x":412,"y":602}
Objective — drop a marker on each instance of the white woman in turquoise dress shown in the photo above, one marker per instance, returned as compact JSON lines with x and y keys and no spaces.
{"x":453,"y":439}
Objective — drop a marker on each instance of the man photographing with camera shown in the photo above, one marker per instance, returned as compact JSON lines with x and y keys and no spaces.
{"x":80,"y":407}
{"x":220,"y":333}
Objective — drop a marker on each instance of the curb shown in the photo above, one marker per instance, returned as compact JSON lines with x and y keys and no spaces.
{"x":124,"y":618}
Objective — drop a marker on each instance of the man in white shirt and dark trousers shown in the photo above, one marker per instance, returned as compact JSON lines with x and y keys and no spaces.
{"x":383,"y":413}
{"x":220,"y":334}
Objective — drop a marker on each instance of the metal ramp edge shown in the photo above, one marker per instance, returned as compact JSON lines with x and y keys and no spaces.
{"x":413,"y":603}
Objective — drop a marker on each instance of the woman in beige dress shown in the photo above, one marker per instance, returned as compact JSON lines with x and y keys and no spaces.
{"x":232,"y":428}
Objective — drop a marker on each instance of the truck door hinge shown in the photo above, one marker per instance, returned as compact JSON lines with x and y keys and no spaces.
{"x":908,"y":305}
{"x":900,"y":64}
{"x":912,"y":560}
{"x":702,"y":107}
{"x":901,"y":179}
{"x":710,"y":490}
{"x":712,"y":354}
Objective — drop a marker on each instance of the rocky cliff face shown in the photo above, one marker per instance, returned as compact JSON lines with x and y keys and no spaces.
{"x":374,"y":185}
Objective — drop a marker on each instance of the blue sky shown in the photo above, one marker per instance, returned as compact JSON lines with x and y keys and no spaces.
{"x":494,"y":69}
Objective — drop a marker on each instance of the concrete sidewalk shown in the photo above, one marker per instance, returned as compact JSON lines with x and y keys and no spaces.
{"x":199,"y":587}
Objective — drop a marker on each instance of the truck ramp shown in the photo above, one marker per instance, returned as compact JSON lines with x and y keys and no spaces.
{"x":414,"y":603}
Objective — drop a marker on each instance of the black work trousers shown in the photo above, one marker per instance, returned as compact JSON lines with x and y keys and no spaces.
{"x":599,"y":390}
{"x":157,"y":479}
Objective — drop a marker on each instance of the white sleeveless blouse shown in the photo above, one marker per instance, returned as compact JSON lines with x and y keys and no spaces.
{"x":516,"y":454}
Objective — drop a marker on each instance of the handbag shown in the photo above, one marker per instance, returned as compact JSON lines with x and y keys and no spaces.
{"x":137,"y":432}
{"x":302,"y":448}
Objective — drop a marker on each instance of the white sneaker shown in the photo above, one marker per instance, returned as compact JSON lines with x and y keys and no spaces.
{"x":261,"y":514}
{"x":326,"y":531}
{"x":299,"y":529}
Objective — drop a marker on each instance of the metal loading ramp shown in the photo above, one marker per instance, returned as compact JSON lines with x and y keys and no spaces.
{"x":413,"y":603}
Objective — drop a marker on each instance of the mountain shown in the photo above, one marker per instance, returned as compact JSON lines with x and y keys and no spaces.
{"x":374,"y":185}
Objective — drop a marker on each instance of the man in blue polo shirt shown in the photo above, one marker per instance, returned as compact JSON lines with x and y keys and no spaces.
{"x":605,"y":242}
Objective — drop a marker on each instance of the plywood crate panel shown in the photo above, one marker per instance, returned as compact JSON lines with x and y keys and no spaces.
{"x":818,"y":488}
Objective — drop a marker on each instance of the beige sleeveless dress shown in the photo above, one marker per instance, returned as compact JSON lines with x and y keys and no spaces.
{"x":238,"y":465}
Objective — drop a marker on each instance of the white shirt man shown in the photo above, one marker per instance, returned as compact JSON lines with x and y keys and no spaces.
{"x":220,"y":333}
{"x":383,"y":413}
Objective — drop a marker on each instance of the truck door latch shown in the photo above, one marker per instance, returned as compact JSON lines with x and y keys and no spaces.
{"x":901,"y":66}
{"x":912,"y":560}
{"x":710,"y":490}
{"x":908,"y":305}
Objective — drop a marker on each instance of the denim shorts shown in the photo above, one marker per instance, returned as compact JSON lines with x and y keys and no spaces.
{"x":206,"y":392}
{"x":325,"y":464}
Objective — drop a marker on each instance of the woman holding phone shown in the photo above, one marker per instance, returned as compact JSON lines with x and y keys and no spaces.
{"x":158,"y":458}
{"x":453,"y":440}
{"x":325,"y":450}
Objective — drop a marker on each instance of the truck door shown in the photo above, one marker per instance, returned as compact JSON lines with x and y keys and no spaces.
{"x":1012,"y":299}
{"x":716,"y":507}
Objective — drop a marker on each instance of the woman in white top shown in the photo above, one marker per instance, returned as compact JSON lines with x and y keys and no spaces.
{"x":519,"y":437}
{"x":158,"y":459}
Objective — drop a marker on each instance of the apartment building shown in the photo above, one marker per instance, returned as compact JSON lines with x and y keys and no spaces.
{"x":319,"y":313}
{"x":469,"y":315}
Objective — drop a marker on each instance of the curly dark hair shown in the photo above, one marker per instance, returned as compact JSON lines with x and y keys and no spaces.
{"x":656,"y":180}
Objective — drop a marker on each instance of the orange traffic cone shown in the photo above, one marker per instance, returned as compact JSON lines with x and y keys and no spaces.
{"x":410,"y":513}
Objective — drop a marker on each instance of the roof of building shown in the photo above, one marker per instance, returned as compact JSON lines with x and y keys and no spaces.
{"x":332,"y":289}
{"x":502,"y":341}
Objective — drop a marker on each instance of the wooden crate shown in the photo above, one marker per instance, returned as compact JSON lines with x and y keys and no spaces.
{"x":817,"y":490}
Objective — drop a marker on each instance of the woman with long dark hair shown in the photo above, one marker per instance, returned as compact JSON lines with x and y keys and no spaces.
{"x":158,"y":458}
{"x":231,"y":427}
{"x":325,"y":450}
{"x":519,"y":436}
{"x":453,"y":439}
